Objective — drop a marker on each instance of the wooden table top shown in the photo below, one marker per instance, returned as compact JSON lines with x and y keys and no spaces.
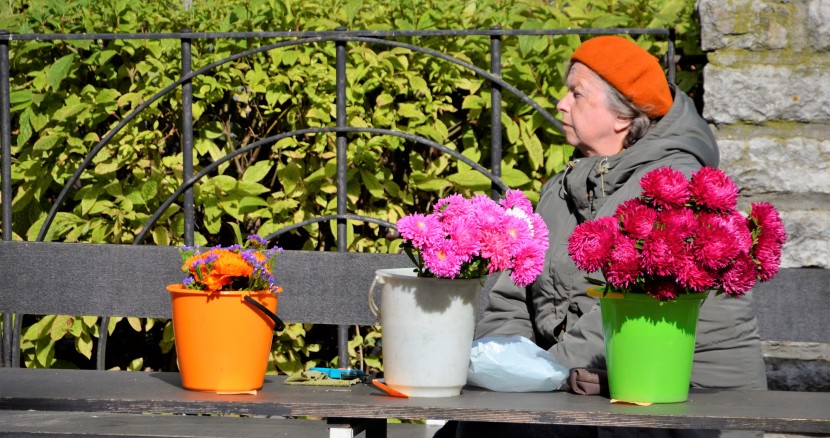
{"x":155,"y":392}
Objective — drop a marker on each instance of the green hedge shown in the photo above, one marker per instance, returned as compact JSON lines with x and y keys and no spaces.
{"x":67,"y":95}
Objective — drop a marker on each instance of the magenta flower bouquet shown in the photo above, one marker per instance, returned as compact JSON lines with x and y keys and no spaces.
{"x":470,"y":238}
{"x":682,"y":236}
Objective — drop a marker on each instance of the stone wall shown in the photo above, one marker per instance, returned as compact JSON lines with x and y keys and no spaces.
{"x":767,"y":98}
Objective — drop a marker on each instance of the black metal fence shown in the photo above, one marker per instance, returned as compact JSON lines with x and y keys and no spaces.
{"x":340,"y":38}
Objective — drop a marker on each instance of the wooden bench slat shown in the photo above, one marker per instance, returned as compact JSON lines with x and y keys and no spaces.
{"x":46,"y":278}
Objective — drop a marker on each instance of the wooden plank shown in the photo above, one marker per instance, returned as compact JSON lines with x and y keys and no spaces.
{"x":135,"y":392}
{"x":321,"y":287}
{"x":124,"y":280}
{"x":108,"y":424}
{"x":793,"y":306}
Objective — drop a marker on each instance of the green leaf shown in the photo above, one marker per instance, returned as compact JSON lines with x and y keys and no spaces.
{"x":83,"y":344}
{"x":107,"y":95}
{"x":38,"y":329}
{"x":167,"y":340}
{"x":161,"y":238}
{"x":58,"y":71}
{"x":372,"y":184}
{"x":250,"y":204}
{"x":470,"y":179}
{"x":473,"y":102}
{"x":257,"y":172}
{"x":250,"y":188}
{"x":112,"y":323}
{"x":534,"y":149}
{"x":48,"y":142}
{"x":61,"y":325}
{"x":384,"y":99}
{"x":410,"y":111}
{"x":289,"y":177}
{"x":45,"y":352}
{"x":20,"y":96}
{"x":136,"y":364}
{"x":513,"y":178}
{"x":135,"y":323}
{"x":319,"y":114}
{"x":224,"y":183}
{"x":428,"y":183}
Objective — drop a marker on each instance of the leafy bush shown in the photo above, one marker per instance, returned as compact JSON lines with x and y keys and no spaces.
{"x":68,"y":95}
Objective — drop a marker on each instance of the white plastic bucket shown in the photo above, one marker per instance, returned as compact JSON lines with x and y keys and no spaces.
{"x":428,"y":326}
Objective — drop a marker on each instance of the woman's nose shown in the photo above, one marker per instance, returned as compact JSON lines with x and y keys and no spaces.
{"x":563,"y":105}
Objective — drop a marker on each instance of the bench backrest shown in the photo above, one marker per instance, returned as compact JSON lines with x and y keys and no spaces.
{"x":321,"y":287}
{"x":128,"y":280}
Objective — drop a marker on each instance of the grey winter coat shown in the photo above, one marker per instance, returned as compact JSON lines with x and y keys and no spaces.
{"x":555,"y":311}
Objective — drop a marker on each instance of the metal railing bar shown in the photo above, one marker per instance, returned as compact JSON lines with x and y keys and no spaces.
{"x":330,"y":217}
{"x":187,"y":143}
{"x":107,"y":137}
{"x":495,"y":112}
{"x":152,"y":99}
{"x":6,"y":140}
{"x":342,"y":169}
{"x":6,"y":347}
{"x":275,"y":138}
{"x":481,"y":72}
{"x":334,"y":33}
{"x":670,"y":65}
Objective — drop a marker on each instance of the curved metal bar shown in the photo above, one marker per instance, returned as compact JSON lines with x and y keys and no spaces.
{"x":330,"y":217}
{"x":104,"y":140}
{"x":186,"y":78}
{"x":334,"y":37}
{"x":483,"y":73}
{"x":275,"y":138}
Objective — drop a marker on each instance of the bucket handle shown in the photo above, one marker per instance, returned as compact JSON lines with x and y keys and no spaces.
{"x":372,"y":305}
{"x":278,"y":324}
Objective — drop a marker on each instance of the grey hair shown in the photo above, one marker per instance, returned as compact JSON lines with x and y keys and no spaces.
{"x":641,"y":123}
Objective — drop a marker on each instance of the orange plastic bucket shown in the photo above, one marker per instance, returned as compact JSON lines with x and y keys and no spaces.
{"x":222,"y":341}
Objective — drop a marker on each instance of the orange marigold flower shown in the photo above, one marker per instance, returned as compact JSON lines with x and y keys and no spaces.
{"x":232,"y":264}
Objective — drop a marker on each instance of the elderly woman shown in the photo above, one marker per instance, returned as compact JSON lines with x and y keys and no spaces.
{"x":624,"y":120}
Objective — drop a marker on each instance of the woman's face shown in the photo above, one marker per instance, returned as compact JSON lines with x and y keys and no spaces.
{"x":589,"y":123}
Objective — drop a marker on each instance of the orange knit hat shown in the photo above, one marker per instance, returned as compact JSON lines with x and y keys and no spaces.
{"x":630,"y":69}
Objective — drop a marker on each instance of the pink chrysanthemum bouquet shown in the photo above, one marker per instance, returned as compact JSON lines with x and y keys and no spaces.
{"x":682,"y":236}
{"x":470,"y":238}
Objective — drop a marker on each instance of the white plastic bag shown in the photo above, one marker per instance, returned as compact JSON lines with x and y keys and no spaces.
{"x":513,"y":364}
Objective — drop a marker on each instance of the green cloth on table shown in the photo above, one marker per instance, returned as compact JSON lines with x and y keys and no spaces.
{"x":316,"y":378}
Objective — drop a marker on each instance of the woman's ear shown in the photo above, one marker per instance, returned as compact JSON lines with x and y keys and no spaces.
{"x":621,"y":124}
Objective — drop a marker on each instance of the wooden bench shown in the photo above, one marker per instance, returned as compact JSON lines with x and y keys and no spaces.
{"x":320,"y":288}
{"x":128,"y":280}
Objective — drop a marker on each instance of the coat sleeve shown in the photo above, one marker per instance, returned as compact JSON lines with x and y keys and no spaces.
{"x":507,"y":312}
{"x":583,"y":345}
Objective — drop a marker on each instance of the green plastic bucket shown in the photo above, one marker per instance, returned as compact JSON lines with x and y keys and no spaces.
{"x":649,"y":345}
